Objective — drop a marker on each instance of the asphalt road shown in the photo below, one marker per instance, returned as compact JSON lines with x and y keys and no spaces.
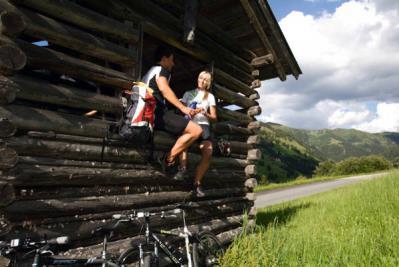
{"x":268,"y":198}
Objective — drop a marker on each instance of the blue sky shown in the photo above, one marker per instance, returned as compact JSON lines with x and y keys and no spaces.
{"x":282,"y":8}
{"x":348,"y":51}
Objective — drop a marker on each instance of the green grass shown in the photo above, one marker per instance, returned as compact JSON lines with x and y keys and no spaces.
{"x":353,"y":226}
{"x":301,"y":181}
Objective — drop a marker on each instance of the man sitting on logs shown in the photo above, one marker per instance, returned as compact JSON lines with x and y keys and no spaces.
{"x":158,"y":78}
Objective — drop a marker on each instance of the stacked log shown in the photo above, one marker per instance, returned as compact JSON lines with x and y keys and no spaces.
{"x":56,"y":161}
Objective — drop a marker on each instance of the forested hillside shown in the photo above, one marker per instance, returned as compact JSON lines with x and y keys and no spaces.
{"x":289,"y":153}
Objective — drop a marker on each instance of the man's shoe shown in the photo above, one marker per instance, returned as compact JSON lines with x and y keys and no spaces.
{"x":181,"y":174}
{"x":166,"y":167}
{"x":198,"y":191}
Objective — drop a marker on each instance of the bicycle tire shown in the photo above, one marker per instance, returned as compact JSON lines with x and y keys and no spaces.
{"x":207,"y":250}
{"x":129,"y":257}
{"x":146,"y":261}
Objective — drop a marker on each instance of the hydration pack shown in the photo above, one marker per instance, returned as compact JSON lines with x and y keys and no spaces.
{"x":138,"y":115}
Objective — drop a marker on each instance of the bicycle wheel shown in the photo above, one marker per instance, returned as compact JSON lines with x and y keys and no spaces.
{"x":129,"y":258}
{"x":207,"y":250}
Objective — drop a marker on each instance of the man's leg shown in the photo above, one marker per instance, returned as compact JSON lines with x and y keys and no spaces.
{"x":191,"y":133}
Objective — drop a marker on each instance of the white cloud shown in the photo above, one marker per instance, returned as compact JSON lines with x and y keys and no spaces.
{"x":348,"y":58}
{"x":387,"y":119}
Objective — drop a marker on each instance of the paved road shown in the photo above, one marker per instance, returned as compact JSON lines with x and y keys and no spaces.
{"x":272,"y":197}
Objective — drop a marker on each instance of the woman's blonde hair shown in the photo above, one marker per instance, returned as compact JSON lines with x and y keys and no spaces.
{"x":208,"y":86}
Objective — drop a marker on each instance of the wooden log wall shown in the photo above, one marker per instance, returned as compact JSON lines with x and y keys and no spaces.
{"x":56,"y":176}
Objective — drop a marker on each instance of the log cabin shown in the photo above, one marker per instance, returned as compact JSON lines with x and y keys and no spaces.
{"x":61,"y":59}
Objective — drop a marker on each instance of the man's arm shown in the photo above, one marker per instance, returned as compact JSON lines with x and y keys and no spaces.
{"x":170,"y":96}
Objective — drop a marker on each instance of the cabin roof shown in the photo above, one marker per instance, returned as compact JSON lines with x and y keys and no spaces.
{"x":236,"y":22}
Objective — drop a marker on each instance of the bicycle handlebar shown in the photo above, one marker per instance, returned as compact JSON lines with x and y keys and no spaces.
{"x":143,"y":214}
{"x":28,"y":244}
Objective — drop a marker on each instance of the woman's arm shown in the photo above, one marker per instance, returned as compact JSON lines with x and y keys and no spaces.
{"x":212,"y":114}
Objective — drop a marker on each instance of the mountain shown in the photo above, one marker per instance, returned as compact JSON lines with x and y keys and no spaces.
{"x":290,"y":152}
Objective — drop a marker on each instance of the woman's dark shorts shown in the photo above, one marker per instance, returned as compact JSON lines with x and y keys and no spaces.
{"x":171,"y":122}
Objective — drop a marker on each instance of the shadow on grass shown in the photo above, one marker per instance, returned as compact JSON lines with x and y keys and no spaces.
{"x":279,"y":216}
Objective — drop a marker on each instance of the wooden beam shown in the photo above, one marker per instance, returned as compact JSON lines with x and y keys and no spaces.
{"x":227,"y":128}
{"x":7,"y":129}
{"x":254,"y":111}
{"x":263,"y":60}
{"x":254,"y":140}
{"x":31,"y":89}
{"x":12,"y":23}
{"x":190,"y":21}
{"x":276,"y":32}
{"x":8,"y":157}
{"x":41,"y":57}
{"x":40,"y":26}
{"x":12,"y":59}
{"x":251,"y":170}
{"x":230,"y":97}
{"x":262,"y":36}
{"x":83,"y":17}
{"x":232,"y":83}
{"x":228,"y":115}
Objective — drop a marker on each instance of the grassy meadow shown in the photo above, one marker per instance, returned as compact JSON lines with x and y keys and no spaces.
{"x":353,"y":226}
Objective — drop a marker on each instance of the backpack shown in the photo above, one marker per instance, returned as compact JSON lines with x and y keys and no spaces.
{"x":138,"y":115}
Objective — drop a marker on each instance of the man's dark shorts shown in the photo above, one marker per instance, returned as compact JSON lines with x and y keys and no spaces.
{"x":171,"y":122}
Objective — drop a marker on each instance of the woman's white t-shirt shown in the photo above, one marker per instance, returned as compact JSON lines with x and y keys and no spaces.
{"x":197,"y":96}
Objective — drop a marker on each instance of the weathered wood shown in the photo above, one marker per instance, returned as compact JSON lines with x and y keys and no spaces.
{"x":251,"y":170}
{"x":239,"y":147}
{"x":117,"y":247}
{"x":71,"y":206}
{"x":83,"y":17}
{"x":230,"y":97}
{"x":255,"y":73}
{"x":255,"y":125}
{"x":43,"y":175}
{"x":254,"y":96}
{"x":41,"y":57}
{"x":160,"y":16}
{"x":64,"y":150}
{"x":12,"y":59}
{"x":44,"y":120}
{"x":254,"y":111}
{"x":256,"y":84}
{"x":251,"y":196}
{"x":229,"y":115}
{"x":81,"y":164}
{"x":8,"y":157}
{"x":251,"y":183}
{"x":227,"y":237}
{"x":254,"y":154}
{"x":254,"y":140}
{"x":263,"y":60}
{"x":232,"y":83}
{"x":7,"y":193}
{"x":271,"y":20}
{"x":36,"y":90}
{"x":257,"y":25}
{"x":12,"y":23}
{"x":225,"y":128}
{"x":7,"y":129}
{"x":39,"y":26}
{"x":92,"y":152}
{"x":190,"y":21}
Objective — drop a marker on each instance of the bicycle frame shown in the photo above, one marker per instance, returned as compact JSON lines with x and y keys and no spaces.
{"x":151,"y":235}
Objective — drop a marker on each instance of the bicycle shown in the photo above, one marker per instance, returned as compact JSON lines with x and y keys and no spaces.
{"x":43,"y":255}
{"x":201,"y":249}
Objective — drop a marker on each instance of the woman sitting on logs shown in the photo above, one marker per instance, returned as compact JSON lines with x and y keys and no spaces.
{"x":204,"y":103}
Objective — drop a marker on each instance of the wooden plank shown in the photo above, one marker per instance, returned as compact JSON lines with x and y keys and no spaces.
{"x":75,"y":14}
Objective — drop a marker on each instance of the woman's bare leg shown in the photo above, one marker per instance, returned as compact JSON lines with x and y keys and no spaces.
{"x":206,"y":151}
